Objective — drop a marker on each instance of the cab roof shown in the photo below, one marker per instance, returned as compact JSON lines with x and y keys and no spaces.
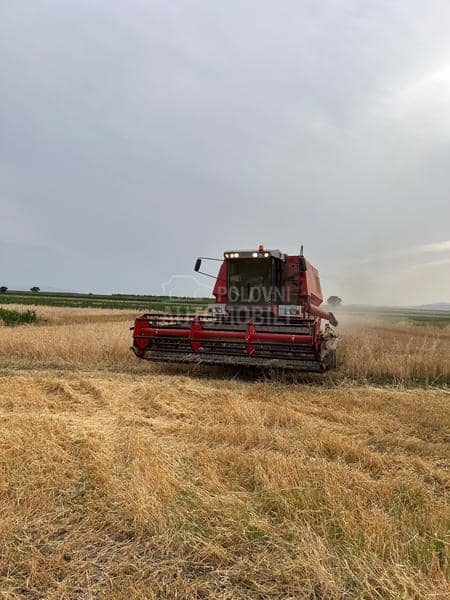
{"x":251,"y":253}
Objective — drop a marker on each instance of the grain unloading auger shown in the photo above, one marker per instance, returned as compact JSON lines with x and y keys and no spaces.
{"x":266,"y":313}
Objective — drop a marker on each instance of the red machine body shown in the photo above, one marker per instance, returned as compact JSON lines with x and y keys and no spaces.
{"x":298,"y":286}
{"x":266,"y":313}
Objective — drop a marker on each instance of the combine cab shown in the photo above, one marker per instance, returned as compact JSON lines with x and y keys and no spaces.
{"x":266,"y":313}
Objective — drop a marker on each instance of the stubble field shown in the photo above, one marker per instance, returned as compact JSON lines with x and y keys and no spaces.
{"x":125,"y":479}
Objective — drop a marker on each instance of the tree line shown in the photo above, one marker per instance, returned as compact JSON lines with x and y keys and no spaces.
{"x":4,"y":289}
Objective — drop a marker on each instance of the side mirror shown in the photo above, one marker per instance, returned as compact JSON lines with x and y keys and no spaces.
{"x":302,"y":263}
{"x":198,"y":264}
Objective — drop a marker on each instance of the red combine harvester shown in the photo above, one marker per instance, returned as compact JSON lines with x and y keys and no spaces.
{"x":266,"y":313}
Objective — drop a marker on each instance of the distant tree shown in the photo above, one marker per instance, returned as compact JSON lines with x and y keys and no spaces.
{"x":3,"y":289}
{"x":35,"y":289}
{"x":334,"y":301}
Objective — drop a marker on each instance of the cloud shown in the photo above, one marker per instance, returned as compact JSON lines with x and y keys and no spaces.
{"x":427,"y":96}
{"x":135,"y":138}
{"x":16,"y":227}
{"x":402,"y":253}
{"x":435,"y":263}
{"x":435,"y":247}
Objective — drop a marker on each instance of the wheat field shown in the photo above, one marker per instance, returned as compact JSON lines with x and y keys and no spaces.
{"x":126,"y":479}
{"x":89,"y":338}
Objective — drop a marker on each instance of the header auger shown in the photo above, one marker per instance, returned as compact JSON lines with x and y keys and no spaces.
{"x":266,"y":313}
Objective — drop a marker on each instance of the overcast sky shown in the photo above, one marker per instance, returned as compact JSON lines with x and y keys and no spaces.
{"x":136,"y":135}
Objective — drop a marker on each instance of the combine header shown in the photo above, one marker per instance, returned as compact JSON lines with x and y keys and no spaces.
{"x":266,"y":313}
